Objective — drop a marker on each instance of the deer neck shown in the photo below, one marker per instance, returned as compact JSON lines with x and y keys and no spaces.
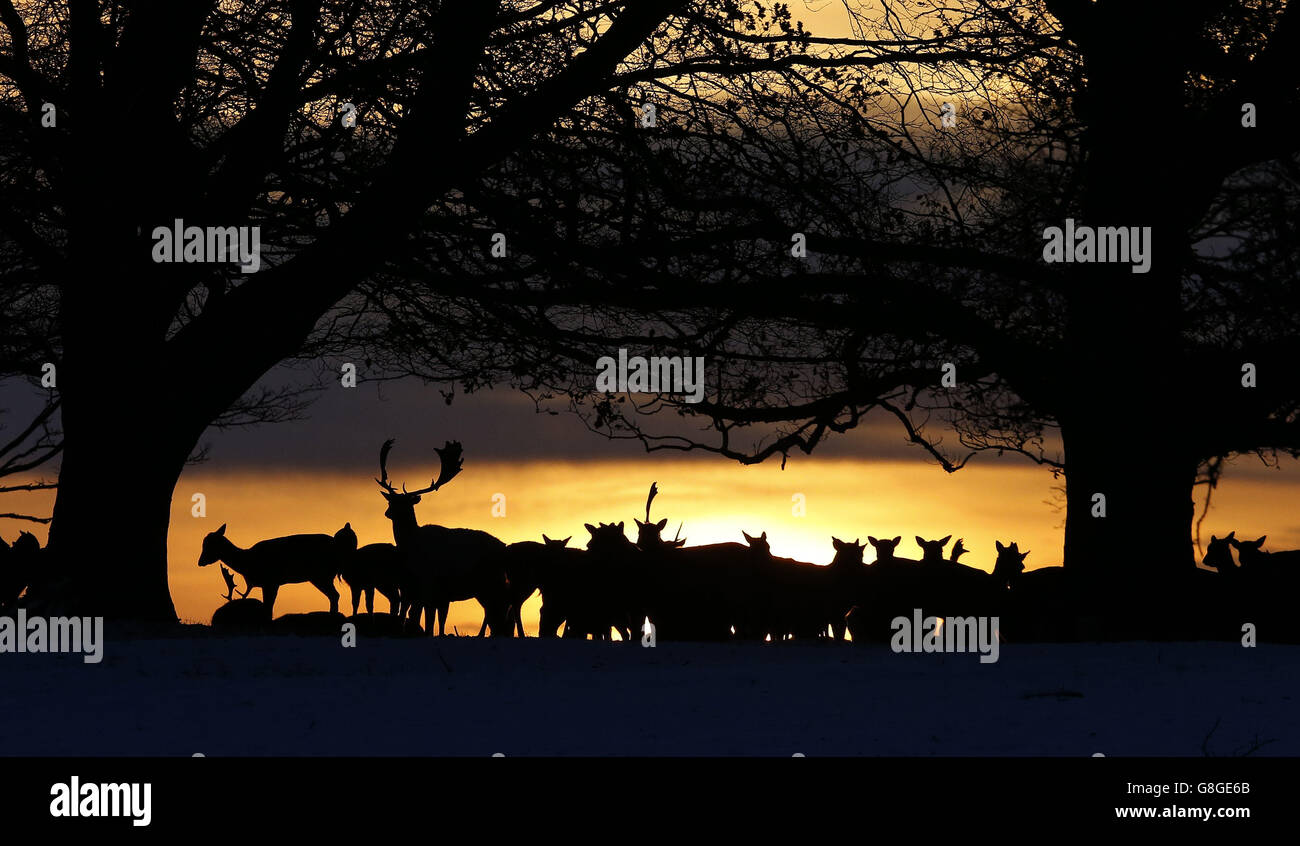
{"x":236,"y":559}
{"x":405,"y":529}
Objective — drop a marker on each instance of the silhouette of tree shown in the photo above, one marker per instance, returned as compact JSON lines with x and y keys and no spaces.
{"x":925,"y":248}
{"x":125,"y":116}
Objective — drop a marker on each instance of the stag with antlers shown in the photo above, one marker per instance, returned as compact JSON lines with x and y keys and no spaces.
{"x":445,"y":565}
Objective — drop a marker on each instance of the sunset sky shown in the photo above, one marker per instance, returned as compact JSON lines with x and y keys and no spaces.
{"x":314,"y":475}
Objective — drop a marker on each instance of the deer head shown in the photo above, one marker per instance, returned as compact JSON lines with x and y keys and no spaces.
{"x":1010,"y":562}
{"x":215,"y":547}
{"x":932,"y":551}
{"x":1219,"y":553}
{"x":607,"y":538}
{"x":884,"y":548}
{"x":847,"y":554}
{"x":401,"y":504}
{"x":758,"y":544}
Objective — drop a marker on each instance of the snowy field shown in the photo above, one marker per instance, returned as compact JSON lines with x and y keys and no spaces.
{"x":291,"y":695}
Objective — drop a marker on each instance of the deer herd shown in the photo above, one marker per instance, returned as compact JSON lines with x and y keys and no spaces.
{"x":723,"y":591}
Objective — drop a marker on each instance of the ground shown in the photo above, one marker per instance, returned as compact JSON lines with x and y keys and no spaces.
{"x":291,"y":695}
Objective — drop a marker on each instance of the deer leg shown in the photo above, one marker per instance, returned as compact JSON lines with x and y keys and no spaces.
{"x":268,"y":597}
{"x":327,"y":588}
{"x":370,"y":600}
{"x":356,"y":599}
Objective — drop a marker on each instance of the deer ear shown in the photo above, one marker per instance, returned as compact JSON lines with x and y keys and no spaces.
{"x":839,"y":544}
{"x":221,"y":532}
{"x":566,"y":540}
{"x":1001,"y":548}
{"x":660,"y":525}
{"x":944,"y":542}
{"x":620,"y":525}
{"x":919,"y":542}
{"x":873,"y":541}
{"x":748,"y":536}
{"x":898,"y":540}
{"x":545,"y":539}
{"x":1024,"y":555}
{"x":1261,"y":540}
{"x":1231,"y":535}
{"x":764,"y":536}
{"x":590,"y":528}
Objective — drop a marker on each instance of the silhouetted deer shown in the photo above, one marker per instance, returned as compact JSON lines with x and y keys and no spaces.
{"x":1253,"y":557}
{"x":695,"y":593}
{"x":607,"y":586}
{"x":1042,"y":604}
{"x":1218,"y":554}
{"x":527,"y":566}
{"x":376,"y":567}
{"x":932,"y":551}
{"x":446,"y":565}
{"x":272,"y":563}
{"x":885,"y":551}
{"x":796,"y":599}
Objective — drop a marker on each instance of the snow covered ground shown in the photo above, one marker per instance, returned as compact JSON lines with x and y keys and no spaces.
{"x":290,"y":695}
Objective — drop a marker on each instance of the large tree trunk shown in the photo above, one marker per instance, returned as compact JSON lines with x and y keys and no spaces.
{"x":1126,"y":393}
{"x":109,"y":533}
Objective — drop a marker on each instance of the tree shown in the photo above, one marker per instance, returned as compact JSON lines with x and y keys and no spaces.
{"x":123,"y":117}
{"x":926,"y":246}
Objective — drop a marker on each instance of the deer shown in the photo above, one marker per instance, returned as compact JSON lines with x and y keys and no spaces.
{"x":608,"y":586}
{"x":273,"y":563}
{"x":527,"y":565}
{"x":932,"y":551}
{"x":375,"y":567}
{"x":1252,"y":556}
{"x":699,"y":593}
{"x":1218,"y":554}
{"x":885,"y":551}
{"x":940,"y":587}
{"x":796,"y":599}
{"x":445,"y":565}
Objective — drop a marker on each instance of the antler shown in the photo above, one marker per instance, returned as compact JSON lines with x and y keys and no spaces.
{"x":654,"y":489}
{"x":451,"y":458}
{"x":383,"y":465}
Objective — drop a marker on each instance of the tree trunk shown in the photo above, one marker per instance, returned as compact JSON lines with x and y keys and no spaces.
{"x":109,"y":532}
{"x":1126,"y":395}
